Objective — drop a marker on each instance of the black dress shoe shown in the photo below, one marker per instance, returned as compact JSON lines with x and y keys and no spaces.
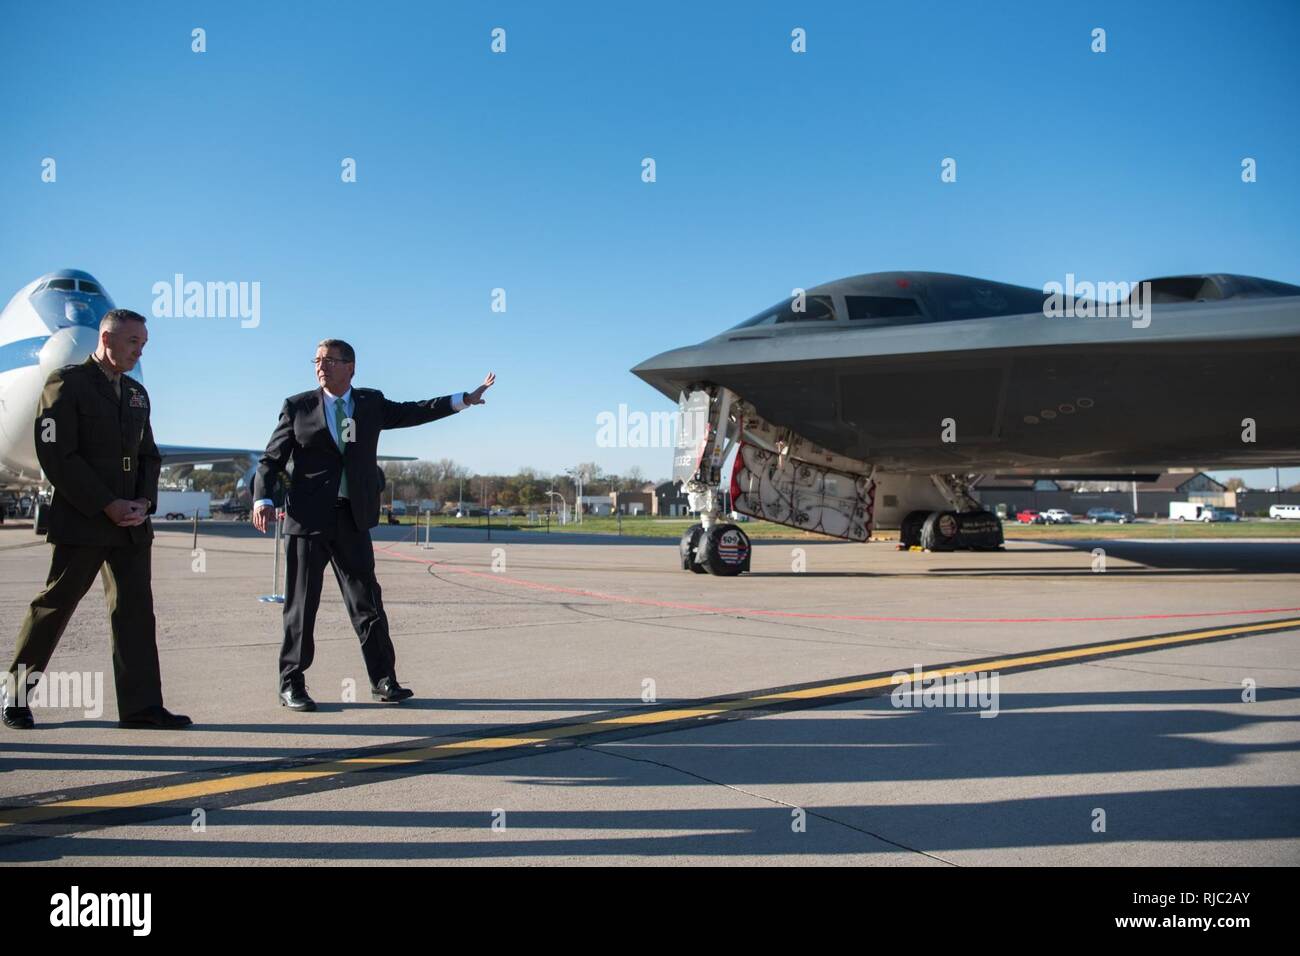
{"x":295,"y":698}
{"x":390,"y":692}
{"x":156,"y":717}
{"x":19,"y":718}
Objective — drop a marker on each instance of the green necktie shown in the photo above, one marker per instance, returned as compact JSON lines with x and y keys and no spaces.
{"x":340,"y":416}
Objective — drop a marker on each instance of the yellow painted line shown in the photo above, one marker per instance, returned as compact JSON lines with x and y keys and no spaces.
{"x":140,"y":798}
{"x":1006,"y":663}
{"x":416,"y":755}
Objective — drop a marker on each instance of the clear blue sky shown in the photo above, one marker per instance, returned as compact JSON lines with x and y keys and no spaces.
{"x":522,"y":171}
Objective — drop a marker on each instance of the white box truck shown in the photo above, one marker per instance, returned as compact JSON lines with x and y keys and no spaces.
{"x":1196,"y":511}
{"x":183,"y":504}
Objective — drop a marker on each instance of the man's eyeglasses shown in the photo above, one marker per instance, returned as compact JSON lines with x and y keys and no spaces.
{"x":329,"y":362}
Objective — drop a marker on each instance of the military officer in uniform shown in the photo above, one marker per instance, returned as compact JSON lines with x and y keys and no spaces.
{"x":96,"y":447}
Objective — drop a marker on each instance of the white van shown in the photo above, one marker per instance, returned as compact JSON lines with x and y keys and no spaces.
{"x":1284,"y":511}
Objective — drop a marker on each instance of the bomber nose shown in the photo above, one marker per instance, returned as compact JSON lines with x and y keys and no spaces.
{"x":68,"y":346}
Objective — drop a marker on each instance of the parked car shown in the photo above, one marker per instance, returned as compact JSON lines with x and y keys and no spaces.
{"x":1058,"y":516}
{"x":1029,"y":516}
{"x":1100,"y":515}
{"x":1278,"y":512}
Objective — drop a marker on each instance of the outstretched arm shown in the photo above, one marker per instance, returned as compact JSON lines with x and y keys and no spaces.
{"x":407,"y":414}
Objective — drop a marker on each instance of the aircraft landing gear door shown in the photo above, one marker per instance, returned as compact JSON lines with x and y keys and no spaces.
{"x":692,"y":435}
{"x":702,"y":447}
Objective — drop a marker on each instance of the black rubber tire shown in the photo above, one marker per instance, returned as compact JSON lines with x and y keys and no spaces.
{"x":724,"y":551}
{"x":932,"y":537}
{"x":689,"y":543}
{"x":909,"y":529}
{"x":41,"y":518}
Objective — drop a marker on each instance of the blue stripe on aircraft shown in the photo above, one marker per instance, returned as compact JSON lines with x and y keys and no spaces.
{"x":22,"y":353}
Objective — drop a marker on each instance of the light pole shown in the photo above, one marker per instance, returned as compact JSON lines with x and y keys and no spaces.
{"x":564,"y":506}
{"x":577,"y":475}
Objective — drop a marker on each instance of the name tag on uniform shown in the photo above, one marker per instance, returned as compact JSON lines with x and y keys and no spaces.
{"x":137,"y":400}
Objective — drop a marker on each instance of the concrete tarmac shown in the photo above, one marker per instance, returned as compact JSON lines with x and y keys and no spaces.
{"x":583,"y":700}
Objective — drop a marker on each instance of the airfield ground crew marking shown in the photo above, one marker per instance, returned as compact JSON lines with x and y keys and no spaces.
{"x":871,"y":618}
{"x":653,"y":721}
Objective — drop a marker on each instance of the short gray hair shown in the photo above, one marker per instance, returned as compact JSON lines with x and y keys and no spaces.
{"x":114,"y":318}
{"x":348,"y":354}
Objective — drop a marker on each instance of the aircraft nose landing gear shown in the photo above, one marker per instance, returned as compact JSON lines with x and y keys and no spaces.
{"x":704,"y":440}
{"x":722,"y":550}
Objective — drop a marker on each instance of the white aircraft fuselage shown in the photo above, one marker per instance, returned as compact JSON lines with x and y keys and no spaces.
{"x":49,"y":323}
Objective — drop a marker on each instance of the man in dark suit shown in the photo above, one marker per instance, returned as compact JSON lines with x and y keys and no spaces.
{"x":328,"y":438}
{"x":95,"y":445}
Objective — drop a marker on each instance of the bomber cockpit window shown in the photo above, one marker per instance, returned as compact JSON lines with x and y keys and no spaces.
{"x":883,"y":310}
{"x":956,"y":300}
{"x":816,"y":308}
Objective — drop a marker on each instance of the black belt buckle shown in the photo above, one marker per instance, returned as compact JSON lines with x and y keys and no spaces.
{"x":126,"y":462}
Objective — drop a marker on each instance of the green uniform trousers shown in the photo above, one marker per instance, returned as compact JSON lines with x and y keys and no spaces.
{"x":128,"y":585}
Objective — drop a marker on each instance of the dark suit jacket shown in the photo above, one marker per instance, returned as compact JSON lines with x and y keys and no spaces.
{"x":303,"y":438}
{"x":95,"y":448}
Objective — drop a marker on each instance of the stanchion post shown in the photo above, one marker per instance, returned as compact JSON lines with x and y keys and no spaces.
{"x":277,"y":593}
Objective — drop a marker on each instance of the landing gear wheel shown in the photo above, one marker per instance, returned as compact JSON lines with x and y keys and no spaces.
{"x":909,"y":531}
{"x":724,"y":550}
{"x":962,"y":531}
{"x":690,"y":543}
{"x":41,"y":517}
{"x":939,"y":532}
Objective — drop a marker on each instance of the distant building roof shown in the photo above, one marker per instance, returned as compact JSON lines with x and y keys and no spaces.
{"x":1182,"y":481}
